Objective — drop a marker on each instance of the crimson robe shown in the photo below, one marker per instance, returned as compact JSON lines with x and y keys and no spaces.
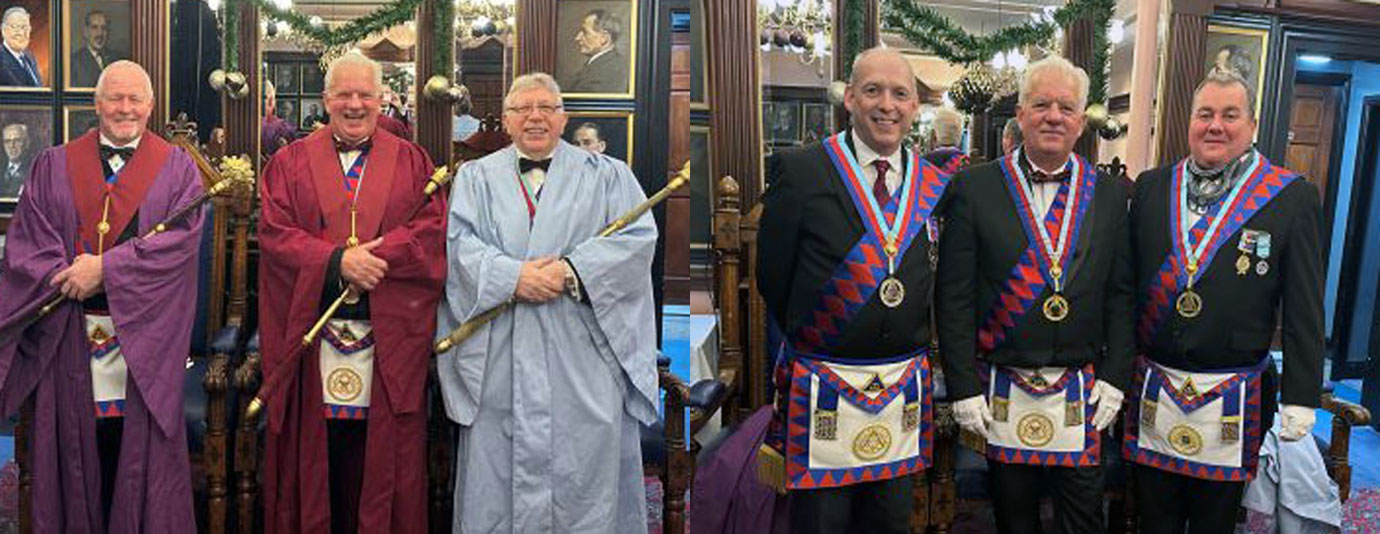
{"x":150,"y":286}
{"x":305,"y":217}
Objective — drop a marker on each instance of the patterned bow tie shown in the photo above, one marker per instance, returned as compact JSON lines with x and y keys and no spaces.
{"x":1041,"y":177}
{"x":363,"y":146}
{"x":525,"y":165}
{"x":125,"y":153}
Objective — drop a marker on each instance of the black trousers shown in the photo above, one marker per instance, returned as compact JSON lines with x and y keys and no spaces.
{"x":1075,"y":491}
{"x":1170,"y":503}
{"x":345,"y":440}
{"x":881,"y":507}
{"x":109,"y":434}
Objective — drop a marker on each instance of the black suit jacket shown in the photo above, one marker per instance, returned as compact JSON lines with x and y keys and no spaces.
{"x":1237,"y":322}
{"x":808,"y":225}
{"x":982,"y":241}
{"x":85,"y":70}
{"x":13,"y":74}
{"x":10,"y":183}
{"x":608,"y":73}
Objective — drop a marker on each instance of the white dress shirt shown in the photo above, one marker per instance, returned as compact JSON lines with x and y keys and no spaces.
{"x":117,"y":162}
{"x":866,"y":157}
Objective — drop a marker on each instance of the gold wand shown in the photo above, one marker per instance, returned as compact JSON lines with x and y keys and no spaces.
{"x":55,"y":298}
{"x":438,"y":180}
{"x":464,"y":331}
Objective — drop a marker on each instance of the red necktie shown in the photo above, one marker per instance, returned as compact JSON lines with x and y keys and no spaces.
{"x":879,"y":189}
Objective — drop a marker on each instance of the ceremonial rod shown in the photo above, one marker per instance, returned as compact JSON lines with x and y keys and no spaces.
{"x":438,"y":180}
{"x":55,"y":298}
{"x":464,"y":331}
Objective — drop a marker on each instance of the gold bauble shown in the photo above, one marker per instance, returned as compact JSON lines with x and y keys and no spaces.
{"x":437,"y":88}
{"x":1096,"y":115}
{"x":217,"y":80}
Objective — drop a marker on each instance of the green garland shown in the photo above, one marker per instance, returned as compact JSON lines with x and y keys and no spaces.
{"x":381,"y":19}
{"x":852,"y":35}
{"x":443,"y":26}
{"x":926,"y":27}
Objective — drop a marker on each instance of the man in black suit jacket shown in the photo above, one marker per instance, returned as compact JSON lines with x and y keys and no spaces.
{"x":1218,"y":318}
{"x":605,"y":70}
{"x":1050,"y":314}
{"x":88,"y":61}
{"x":18,"y":159}
{"x":17,"y":65}
{"x":815,"y":222}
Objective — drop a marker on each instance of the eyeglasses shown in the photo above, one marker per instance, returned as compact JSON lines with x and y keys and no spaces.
{"x":545,"y":109}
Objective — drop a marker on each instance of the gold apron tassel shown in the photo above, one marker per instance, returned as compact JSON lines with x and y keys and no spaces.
{"x":771,"y":468}
{"x":1231,"y":429}
{"x":1073,"y":413}
{"x":1147,"y":413}
{"x":1001,"y":409}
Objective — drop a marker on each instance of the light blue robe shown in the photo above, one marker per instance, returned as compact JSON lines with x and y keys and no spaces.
{"x":549,"y":396}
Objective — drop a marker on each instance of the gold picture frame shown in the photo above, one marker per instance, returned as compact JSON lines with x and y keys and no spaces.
{"x":39,"y":49}
{"x":81,"y":68}
{"x":1243,"y":51}
{"x":37,"y":135}
{"x":77,"y":119}
{"x":582,"y":76}
{"x":615,"y":127}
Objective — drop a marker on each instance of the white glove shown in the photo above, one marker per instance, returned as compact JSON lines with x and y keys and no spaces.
{"x":1297,"y":423}
{"x":1108,"y":399}
{"x":973,"y":415}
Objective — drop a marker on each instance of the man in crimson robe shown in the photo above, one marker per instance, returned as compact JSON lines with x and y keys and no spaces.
{"x":105,"y":369}
{"x":336,"y":207}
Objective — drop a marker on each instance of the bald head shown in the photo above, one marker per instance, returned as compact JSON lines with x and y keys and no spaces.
{"x":881,"y":99}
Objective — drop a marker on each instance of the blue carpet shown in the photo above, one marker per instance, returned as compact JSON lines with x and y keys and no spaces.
{"x":1365,"y":441}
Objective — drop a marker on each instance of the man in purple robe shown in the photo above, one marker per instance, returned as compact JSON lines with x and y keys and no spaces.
{"x":274,"y":132}
{"x":105,"y":369}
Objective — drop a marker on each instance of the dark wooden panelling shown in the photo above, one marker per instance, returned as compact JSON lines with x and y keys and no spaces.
{"x":731,"y":35}
{"x":149,"y":47}
{"x":677,"y":276}
{"x":242,"y":115}
{"x":536,"y":49}
{"x":1187,"y":35}
{"x":1078,"y":46}
{"x":433,"y":117}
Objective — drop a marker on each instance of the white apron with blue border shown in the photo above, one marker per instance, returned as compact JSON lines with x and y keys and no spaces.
{"x":347,"y":368}
{"x":108,"y":371}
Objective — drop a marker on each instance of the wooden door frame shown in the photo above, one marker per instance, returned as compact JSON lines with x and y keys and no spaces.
{"x":1335,"y":152}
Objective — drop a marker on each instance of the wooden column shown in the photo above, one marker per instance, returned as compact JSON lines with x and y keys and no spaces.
{"x":735,"y":96}
{"x":433,"y":117}
{"x":150,"y":48}
{"x":242,"y":115}
{"x":536,"y":36}
{"x":843,"y":58}
{"x":1183,"y":70}
{"x":1078,"y":49}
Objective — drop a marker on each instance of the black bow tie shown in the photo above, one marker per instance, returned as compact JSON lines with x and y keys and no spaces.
{"x":125,"y":153}
{"x":1041,"y":177}
{"x":363,"y":146}
{"x":525,"y":165}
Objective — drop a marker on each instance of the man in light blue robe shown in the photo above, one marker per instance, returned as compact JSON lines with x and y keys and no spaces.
{"x":550,"y":394}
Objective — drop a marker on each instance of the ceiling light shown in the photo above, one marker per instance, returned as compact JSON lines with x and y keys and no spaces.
{"x":1316,"y":59}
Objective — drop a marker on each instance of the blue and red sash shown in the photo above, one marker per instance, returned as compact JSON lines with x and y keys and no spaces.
{"x":855,"y":280}
{"x":1257,"y":189}
{"x":1030,"y":275}
{"x":954,"y":159}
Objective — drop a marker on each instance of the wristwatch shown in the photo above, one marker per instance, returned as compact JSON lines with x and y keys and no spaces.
{"x":572,"y":282}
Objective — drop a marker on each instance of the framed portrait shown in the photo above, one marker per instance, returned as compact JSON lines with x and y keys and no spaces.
{"x":286,"y":109}
{"x":24,"y":131}
{"x":1242,"y":51}
{"x":313,"y":111}
{"x":97,"y":33}
{"x":606,"y":132}
{"x":313,"y":79}
{"x":782,"y":122}
{"x":77,"y":120}
{"x":596,"y":47}
{"x":26,"y":28}
{"x":817,"y":117}
{"x":285,"y":78}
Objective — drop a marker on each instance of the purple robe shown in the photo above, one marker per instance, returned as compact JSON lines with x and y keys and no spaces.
{"x":726,"y":497}
{"x":273,"y":132}
{"x":151,"y":288}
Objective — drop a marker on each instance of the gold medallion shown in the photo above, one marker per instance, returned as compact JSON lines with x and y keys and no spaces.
{"x":1056,"y":308}
{"x":344,"y":384}
{"x":1243,"y":264}
{"x":1035,"y":430}
{"x":892,"y":292}
{"x":1189,"y":304}
{"x":1185,"y":440}
{"x":872,"y":443}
